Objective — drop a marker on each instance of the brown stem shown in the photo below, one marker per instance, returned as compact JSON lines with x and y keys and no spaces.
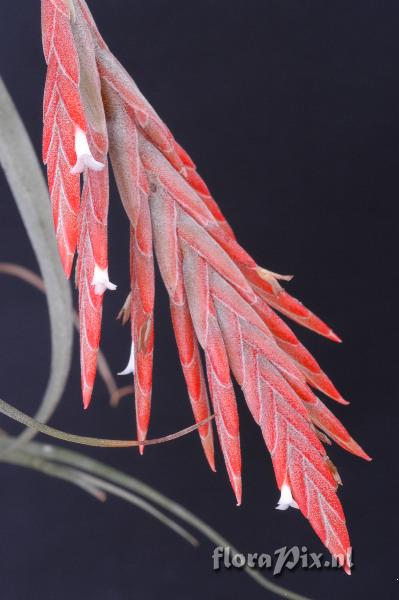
{"x":20,"y":417}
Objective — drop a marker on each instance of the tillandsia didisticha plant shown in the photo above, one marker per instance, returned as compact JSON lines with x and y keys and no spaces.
{"x":222,"y":303}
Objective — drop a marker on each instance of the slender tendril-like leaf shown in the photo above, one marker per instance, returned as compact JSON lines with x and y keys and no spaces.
{"x":94,"y":486}
{"x":115,"y":392}
{"x":141,"y":503}
{"x":22,"y":459}
{"x":15,"y":414}
{"x":29,"y":189}
{"x":98,"y":469}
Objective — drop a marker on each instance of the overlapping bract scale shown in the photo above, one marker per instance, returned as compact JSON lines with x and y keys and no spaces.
{"x":72,"y":112}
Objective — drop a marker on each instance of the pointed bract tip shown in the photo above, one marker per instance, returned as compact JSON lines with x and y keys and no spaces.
{"x":342,"y":401}
{"x":141,"y":436}
{"x":346,"y":566}
{"x":352,"y":446}
{"x":207,"y":446}
{"x":210,"y":457}
{"x":334,"y":337}
{"x":362,"y":454}
{"x":237,"y":488}
{"x":86,"y":401}
{"x":87,"y":393}
{"x":211,"y":462}
{"x":334,"y":394}
{"x":344,"y":560}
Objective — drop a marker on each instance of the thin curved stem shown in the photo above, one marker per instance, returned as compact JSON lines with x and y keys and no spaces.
{"x":101,"y":484}
{"x":15,"y":414}
{"x":96,"y":487}
{"x":68,"y":474}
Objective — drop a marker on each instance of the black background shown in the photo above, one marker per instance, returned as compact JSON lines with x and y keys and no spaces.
{"x":291,"y":111}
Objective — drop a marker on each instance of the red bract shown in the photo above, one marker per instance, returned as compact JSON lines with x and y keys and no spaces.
{"x":220,"y":299}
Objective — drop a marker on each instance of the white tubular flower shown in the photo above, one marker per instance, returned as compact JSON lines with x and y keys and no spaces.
{"x":286,"y":499}
{"x":130,"y":365}
{"x":85,"y":159}
{"x":101,"y":281}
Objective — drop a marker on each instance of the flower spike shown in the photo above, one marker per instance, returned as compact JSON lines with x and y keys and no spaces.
{"x":222,"y":302}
